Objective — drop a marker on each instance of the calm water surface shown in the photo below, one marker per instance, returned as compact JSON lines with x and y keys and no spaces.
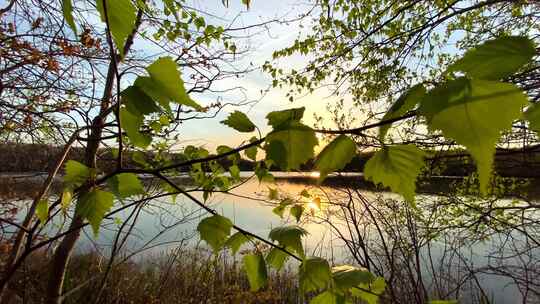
{"x":247,"y":209}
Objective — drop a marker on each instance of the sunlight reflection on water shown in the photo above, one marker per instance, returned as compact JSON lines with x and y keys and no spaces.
{"x":247,"y":207}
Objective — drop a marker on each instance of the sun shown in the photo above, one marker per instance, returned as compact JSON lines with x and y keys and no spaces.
{"x":312,"y":206}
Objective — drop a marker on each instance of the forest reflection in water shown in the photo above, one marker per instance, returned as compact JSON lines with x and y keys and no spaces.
{"x":468,"y":259}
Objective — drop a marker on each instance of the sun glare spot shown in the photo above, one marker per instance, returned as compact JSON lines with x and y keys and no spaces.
{"x":312,"y":206}
{"x":315,"y":174}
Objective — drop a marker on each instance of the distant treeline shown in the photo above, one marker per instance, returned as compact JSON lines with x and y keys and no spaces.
{"x":42,"y":157}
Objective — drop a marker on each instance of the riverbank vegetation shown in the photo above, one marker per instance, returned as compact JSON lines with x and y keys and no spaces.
{"x":33,"y":158}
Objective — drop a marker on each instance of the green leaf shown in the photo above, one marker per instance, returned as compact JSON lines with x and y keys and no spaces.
{"x":164,"y":120}
{"x":75,"y":174}
{"x":93,"y":206}
{"x":137,"y":102}
{"x":533,"y":116}
{"x":140,"y":158}
{"x":347,"y":276}
{"x":42,"y":210}
{"x":474,"y":113}
{"x":335,"y":156}
{"x":328,"y":297}
{"x":235,"y":172}
{"x":239,"y":121}
{"x":152,"y":90}
{"x":256,"y":270}
{"x":67,"y":10}
{"x":125,"y":185}
{"x":314,"y":274}
{"x":297,"y":211}
{"x":131,"y":124}
{"x":291,"y":146}
{"x":276,"y":258}
{"x":280,"y":209}
{"x":443,"y":302}
{"x":403,"y":104}
{"x":65,"y":201}
{"x":370,"y":292}
{"x":289,"y":237}
{"x":263,"y":175}
{"x":121,"y":16}
{"x":273,"y":194}
{"x":222,"y":149}
{"x":199,"y":22}
{"x":396,"y":167}
{"x":496,"y":59}
{"x":251,"y":152}
{"x":236,"y":241}
{"x":277,"y":119}
{"x":166,"y":79}
{"x":215,"y":230}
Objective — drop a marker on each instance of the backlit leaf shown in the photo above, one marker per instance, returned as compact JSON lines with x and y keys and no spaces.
{"x":280,"y":209}
{"x":335,"y":156}
{"x":297,"y":211}
{"x":328,"y":297}
{"x":215,"y":230}
{"x":67,"y":10}
{"x":289,"y":237}
{"x":347,"y":276}
{"x":314,"y":274}
{"x":474,"y":113}
{"x":137,"y":102}
{"x":93,"y":206}
{"x":370,"y":293}
{"x":496,"y":59}
{"x":255,"y":267}
{"x":139,"y":158}
{"x":276,"y":258}
{"x":125,"y":185}
{"x":75,"y":174}
{"x":166,"y":78}
{"x":121,"y":17}
{"x":403,"y":104}
{"x":235,"y":172}
{"x":277,"y":119}
{"x":236,"y":241}
{"x":251,"y":152}
{"x":263,"y":175}
{"x":239,"y":121}
{"x":65,"y":200}
{"x":42,"y":210}
{"x":396,"y":167}
{"x":291,"y":146}
{"x":273,"y":194}
{"x":132,"y":124}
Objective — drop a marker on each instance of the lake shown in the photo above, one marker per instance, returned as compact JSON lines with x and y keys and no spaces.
{"x":164,"y":223}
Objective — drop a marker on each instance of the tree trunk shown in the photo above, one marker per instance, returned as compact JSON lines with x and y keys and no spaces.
{"x":60,"y":261}
{"x":64,"y":250}
{"x":19,"y":239}
{"x":62,"y":254}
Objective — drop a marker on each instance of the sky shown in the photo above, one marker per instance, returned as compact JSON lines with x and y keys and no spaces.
{"x":210,"y":132}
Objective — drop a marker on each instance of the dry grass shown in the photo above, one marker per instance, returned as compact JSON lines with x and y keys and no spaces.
{"x":182,"y":276}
